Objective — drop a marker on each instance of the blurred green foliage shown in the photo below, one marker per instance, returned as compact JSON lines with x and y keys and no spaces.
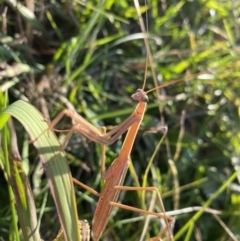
{"x":91,"y":56}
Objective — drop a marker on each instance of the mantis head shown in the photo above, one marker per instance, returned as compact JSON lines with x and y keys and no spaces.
{"x":140,"y":96}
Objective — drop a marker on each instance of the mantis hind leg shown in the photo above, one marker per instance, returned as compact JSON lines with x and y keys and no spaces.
{"x":168,"y":219}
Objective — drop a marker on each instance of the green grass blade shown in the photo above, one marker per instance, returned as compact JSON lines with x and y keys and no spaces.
{"x":54,"y":163}
{"x":24,"y":202}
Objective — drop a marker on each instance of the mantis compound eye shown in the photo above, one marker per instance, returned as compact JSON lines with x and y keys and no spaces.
{"x":145,"y":98}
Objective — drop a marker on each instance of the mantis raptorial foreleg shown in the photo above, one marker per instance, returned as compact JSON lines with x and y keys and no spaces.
{"x":90,"y":131}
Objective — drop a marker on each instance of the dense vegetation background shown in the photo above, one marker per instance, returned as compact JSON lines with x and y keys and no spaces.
{"x":91,"y":56}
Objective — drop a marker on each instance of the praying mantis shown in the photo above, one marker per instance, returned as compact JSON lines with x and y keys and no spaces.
{"x":116,"y":173}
